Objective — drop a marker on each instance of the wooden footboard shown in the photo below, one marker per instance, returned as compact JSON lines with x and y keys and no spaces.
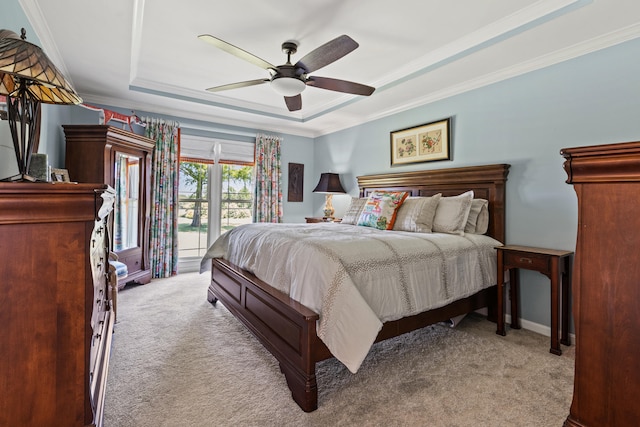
{"x":284,"y":326}
{"x":288,"y":329}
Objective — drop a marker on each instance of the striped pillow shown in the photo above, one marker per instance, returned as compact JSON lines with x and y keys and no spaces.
{"x":416,"y":214}
{"x":353,"y":212}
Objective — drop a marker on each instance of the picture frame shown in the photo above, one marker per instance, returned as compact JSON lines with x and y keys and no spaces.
{"x":60,"y":175}
{"x":3,"y":108}
{"x":425,"y":143}
{"x":296,"y":182}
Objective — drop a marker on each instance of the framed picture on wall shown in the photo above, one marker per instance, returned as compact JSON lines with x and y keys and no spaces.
{"x":296,"y":182}
{"x":424,"y":143}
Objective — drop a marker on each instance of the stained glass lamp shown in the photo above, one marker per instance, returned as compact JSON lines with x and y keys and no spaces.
{"x":28,"y":78}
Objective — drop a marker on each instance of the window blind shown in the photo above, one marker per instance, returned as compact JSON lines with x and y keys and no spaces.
{"x":202,"y":149}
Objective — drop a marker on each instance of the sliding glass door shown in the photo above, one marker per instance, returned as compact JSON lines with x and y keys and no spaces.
{"x":212,"y":200}
{"x":193,"y":209}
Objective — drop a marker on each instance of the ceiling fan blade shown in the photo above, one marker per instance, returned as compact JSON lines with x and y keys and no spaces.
{"x":236,"y":51}
{"x":340,"y":85}
{"x":294,"y":103}
{"x":327,"y":53}
{"x":238,"y":85}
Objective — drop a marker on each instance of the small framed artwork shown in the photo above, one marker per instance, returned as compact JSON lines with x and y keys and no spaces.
{"x":60,"y":175}
{"x":296,"y":182}
{"x":424,"y":143}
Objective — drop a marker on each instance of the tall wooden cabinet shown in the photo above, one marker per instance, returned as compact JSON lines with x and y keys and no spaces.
{"x":56,"y":314}
{"x":606,"y":284}
{"x":121,"y":159}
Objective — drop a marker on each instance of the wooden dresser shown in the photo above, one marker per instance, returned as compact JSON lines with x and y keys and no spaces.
{"x":606,"y":284}
{"x":121,"y":159}
{"x":55,"y":306}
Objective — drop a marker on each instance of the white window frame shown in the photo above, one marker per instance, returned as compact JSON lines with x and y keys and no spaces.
{"x":198,"y":147}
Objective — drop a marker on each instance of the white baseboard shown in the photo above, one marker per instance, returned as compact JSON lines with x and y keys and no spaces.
{"x":538,"y":328}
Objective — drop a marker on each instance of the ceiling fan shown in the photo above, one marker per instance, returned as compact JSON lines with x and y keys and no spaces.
{"x":289,"y":79}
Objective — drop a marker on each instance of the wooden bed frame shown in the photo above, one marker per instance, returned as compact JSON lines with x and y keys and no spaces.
{"x":288,"y":329}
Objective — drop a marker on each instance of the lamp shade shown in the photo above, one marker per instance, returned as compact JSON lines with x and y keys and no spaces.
{"x":23,"y":64}
{"x":330,"y":184}
{"x":28,"y":79}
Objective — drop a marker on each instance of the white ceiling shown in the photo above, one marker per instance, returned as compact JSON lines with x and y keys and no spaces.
{"x":144,"y":55}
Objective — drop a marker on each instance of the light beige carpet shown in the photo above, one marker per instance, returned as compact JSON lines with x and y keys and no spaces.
{"x":178,"y":361}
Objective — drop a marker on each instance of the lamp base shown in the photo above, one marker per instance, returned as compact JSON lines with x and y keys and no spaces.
{"x":20,"y":178}
{"x":328,"y":210}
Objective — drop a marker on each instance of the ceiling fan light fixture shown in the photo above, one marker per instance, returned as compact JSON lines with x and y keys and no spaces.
{"x":288,"y":86}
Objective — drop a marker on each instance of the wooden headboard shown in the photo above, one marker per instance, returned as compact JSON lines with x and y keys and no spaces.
{"x":487,"y":182}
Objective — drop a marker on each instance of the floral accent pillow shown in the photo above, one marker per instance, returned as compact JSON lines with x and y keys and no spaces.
{"x":381,"y":209}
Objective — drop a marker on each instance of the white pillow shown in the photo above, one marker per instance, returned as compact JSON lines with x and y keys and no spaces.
{"x":416,"y":214}
{"x":482,"y":226}
{"x":452,"y":213}
{"x":478,"y":220}
{"x":353,"y":212}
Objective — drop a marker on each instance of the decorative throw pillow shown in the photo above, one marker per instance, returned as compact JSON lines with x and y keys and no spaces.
{"x":478,"y":214}
{"x":452,"y":213}
{"x":416,"y":214}
{"x":353,"y":212}
{"x":482,"y":226}
{"x":381,"y":209}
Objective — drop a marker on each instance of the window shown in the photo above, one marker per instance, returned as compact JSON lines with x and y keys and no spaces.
{"x":215,"y":194}
{"x":235,"y":204}
{"x":193,"y":210}
{"x":237,"y":196}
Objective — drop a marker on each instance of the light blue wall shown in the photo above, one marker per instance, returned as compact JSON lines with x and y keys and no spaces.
{"x":13,"y":18}
{"x":294,"y":149}
{"x":524,"y":121}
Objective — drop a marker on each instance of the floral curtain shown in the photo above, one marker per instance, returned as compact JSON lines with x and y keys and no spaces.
{"x":163,"y":245}
{"x":268,"y":188}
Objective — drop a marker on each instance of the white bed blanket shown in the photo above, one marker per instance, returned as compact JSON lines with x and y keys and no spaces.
{"x":356,"y":278}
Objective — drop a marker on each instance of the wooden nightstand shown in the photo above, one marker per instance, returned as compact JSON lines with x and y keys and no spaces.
{"x":556,"y":265}
{"x":311,"y":220}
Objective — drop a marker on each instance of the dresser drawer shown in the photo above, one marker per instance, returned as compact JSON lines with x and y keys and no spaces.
{"x":529,"y":261}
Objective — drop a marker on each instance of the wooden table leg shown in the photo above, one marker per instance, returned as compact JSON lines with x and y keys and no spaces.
{"x":566,"y":288}
{"x":500,"y":279}
{"x":555,"y":306}
{"x":514,"y":294}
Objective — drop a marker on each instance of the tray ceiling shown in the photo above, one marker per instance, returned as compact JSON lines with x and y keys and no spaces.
{"x":146,"y":56}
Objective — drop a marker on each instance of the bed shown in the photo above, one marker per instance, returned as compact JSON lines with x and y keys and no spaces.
{"x":292,"y":331}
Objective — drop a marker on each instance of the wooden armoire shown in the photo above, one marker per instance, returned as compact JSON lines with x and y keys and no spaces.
{"x":56,"y":311}
{"x":606,"y":284}
{"x":121,"y":159}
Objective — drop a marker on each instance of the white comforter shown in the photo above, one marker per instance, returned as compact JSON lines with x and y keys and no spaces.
{"x":356,"y":278}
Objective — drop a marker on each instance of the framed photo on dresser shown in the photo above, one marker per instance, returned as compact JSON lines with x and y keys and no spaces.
{"x":60,"y":175}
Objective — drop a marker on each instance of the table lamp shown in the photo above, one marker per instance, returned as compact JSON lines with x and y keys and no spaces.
{"x":329,"y":184}
{"x":28,"y":78}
